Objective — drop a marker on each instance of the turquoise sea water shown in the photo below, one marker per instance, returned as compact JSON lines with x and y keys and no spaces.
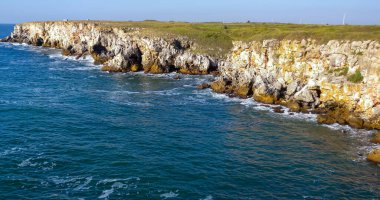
{"x":70,"y":131}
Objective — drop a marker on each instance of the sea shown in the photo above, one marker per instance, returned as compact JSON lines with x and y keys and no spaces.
{"x":71,"y":131}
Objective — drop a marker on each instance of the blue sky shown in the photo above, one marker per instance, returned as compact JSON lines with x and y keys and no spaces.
{"x":293,"y":11}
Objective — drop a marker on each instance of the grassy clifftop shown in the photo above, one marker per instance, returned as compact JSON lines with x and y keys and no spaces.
{"x":216,"y":38}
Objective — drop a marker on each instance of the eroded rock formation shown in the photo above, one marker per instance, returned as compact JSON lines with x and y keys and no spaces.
{"x":339,"y":80}
{"x":118,"y":49}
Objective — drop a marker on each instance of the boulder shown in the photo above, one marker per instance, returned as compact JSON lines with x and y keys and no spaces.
{"x":305,"y":95}
{"x":278,"y":109}
{"x":374,"y":156}
{"x":177,"y":77}
{"x":194,"y":64}
{"x":292,"y":88}
{"x":265,"y":93}
{"x":326,"y":119}
{"x":244,"y":91}
{"x":372,"y":123}
{"x":6,"y":39}
{"x":355,"y":122}
{"x":203,"y":86}
{"x":293,"y":106}
{"x":264,"y":98}
{"x":153,"y":69}
{"x":376,"y":138}
{"x":219,"y":86}
{"x":108,"y":68}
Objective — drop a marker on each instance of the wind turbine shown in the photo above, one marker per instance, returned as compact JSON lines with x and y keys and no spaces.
{"x":344,"y":19}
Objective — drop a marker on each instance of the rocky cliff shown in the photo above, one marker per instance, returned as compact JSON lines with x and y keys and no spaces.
{"x":339,"y":80}
{"x":118,"y":49}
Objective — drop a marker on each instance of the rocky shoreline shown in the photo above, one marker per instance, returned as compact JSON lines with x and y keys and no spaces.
{"x":339,"y":80}
{"x":307,"y":77}
{"x":117,"y":49}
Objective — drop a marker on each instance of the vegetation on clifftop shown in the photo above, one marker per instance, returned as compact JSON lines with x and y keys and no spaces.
{"x":216,"y":38}
{"x":356,"y":78}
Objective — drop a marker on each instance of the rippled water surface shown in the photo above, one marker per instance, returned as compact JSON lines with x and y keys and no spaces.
{"x":70,"y":131}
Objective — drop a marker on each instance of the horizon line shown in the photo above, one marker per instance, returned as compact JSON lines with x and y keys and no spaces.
{"x":195,"y":22}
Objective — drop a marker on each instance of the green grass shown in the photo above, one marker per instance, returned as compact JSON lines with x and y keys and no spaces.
{"x":343,"y":72}
{"x":216,"y":38}
{"x":340,"y":71}
{"x":355,"y":78}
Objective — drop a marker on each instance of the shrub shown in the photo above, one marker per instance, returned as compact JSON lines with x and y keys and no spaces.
{"x":344,"y":72}
{"x":356,"y":78}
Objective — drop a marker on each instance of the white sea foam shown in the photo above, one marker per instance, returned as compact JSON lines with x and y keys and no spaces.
{"x":122,"y":92}
{"x":55,"y":55}
{"x":105,"y":181}
{"x":171,"y":92}
{"x":261,"y":106}
{"x":363,"y":136}
{"x":196,"y":79}
{"x":124,"y":98}
{"x":84,"y":185}
{"x":191,"y":99}
{"x":117,"y":184}
{"x":5,"y":45}
{"x":141,"y":73}
{"x":106,"y":193}
{"x":39,"y":162}
{"x":76,"y":183}
{"x":18,"y":44}
{"x":27,"y":162}
{"x":223,"y":97}
{"x":209,"y":197}
{"x":301,"y":116}
{"x":82,"y":68}
{"x":87,"y":61}
{"x":12,"y":150}
{"x":360,"y":135}
{"x":170,"y":195}
{"x":63,"y":180}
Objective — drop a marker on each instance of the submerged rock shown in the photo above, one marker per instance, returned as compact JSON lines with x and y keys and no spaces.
{"x":6,"y":39}
{"x":203,"y":86}
{"x":278,"y":109}
{"x":177,"y":77}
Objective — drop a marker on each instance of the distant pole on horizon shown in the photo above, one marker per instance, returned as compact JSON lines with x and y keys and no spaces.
{"x":344,"y":19}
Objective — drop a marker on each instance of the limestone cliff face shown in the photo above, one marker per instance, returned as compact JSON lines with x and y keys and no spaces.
{"x":119,"y":49}
{"x":340,"y":79}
